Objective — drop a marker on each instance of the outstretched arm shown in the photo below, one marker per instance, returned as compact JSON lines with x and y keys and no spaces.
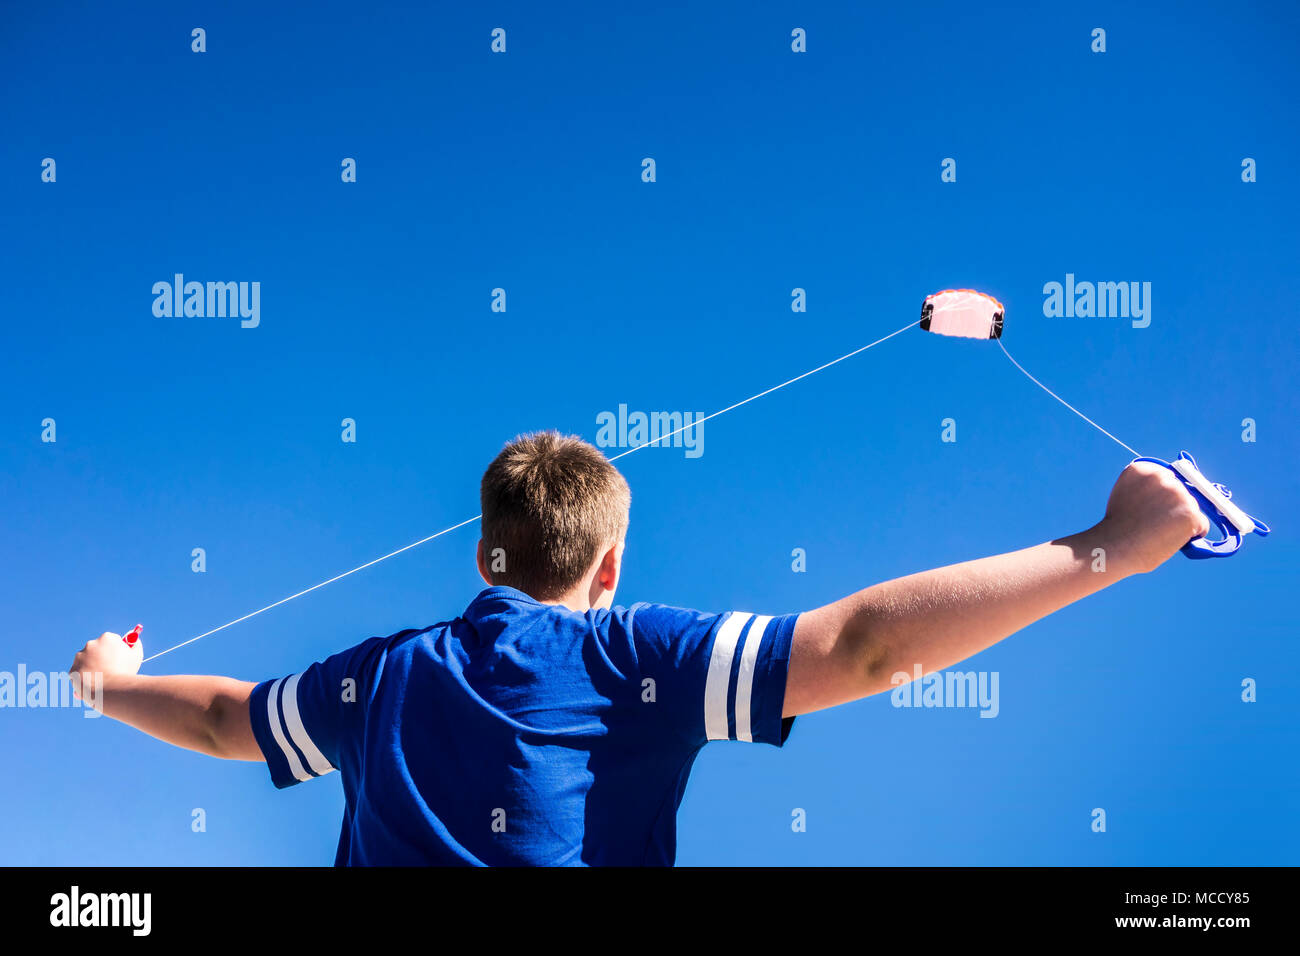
{"x":850,"y":649}
{"x":207,"y":714}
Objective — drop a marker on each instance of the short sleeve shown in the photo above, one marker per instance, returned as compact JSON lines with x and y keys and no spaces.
{"x":720,"y":676}
{"x":301,"y":721}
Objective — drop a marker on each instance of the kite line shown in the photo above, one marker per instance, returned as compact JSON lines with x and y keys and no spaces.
{"x":447,"y":530}
{"x":1064,"y":402}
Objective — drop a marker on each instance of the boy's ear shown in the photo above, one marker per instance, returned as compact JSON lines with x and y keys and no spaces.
{"x":482,"y":564}
{"x":607,"y":575}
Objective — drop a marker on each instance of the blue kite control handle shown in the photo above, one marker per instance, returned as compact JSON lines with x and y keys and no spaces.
{"x":1214,"y":499}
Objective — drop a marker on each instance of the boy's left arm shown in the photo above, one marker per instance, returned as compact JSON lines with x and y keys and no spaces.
{"x":206,"y":714}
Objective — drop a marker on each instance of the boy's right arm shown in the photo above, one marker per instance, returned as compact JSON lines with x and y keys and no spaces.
{"x":852,"y":648}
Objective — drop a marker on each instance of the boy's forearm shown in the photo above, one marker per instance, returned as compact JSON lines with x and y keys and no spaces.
{"x":936,"y":618}
{"x":203,"y":713}
{"x":854,"y":647}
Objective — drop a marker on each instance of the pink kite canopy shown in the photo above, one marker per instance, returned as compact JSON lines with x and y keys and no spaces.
{"x":962,"y":312}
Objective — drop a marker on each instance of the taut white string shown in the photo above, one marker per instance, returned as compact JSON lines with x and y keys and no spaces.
{"x":1064,"y":402}
{"x":438,"y":534}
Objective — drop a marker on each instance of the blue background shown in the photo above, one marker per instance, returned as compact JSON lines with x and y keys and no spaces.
{"x":775,"y":171}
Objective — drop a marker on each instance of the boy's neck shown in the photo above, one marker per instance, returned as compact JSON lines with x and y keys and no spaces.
{"x":581,"y":598}
{"x":582,"y":607}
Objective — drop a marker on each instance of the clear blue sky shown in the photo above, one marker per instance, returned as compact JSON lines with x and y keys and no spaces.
{"x":775,"y":171}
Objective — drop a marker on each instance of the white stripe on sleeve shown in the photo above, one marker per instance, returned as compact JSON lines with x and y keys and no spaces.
{"x":273,"y":715}
{"x":293,"y":719}
{"x":718,"y":681}
{"x":745,"y":679}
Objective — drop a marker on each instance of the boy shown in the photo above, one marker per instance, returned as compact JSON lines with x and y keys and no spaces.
{"x":545,"y":726}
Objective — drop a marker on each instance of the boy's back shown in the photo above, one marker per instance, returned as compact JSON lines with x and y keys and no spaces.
{"x":524,"y":732}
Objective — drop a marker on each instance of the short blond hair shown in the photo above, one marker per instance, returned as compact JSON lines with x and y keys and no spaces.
{"x":551,"y":503}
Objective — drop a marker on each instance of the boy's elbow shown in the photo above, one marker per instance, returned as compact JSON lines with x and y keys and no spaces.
{"x":871,"y":659}
{"x":210,"y":731}
{"x":228,"y":732}
{"x":877,"y":665}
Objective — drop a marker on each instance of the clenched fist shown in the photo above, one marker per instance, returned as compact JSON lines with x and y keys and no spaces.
{"x":1151,"y":514}
{"x":105,"y":655}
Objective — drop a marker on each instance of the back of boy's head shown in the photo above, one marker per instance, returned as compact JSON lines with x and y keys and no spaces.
{"x":552,"y":503}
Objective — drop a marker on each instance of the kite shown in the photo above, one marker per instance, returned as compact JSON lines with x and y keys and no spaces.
{"x":962,"y":312}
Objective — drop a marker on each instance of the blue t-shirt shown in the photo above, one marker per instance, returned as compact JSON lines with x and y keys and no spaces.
{"x":524,"y":733}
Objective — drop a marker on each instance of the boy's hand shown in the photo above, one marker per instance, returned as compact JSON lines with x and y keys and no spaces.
{"x":1151,"y":515}
{"x":105,"y":655}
